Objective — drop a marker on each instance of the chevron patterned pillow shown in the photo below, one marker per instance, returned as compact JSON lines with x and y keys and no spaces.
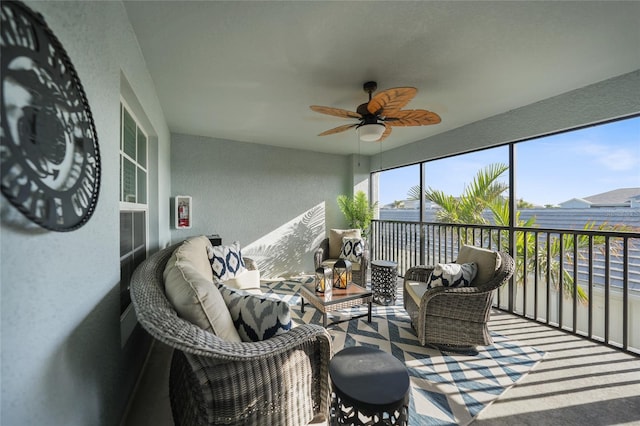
{"x":256,"y":317}
{"x":452,"y":275}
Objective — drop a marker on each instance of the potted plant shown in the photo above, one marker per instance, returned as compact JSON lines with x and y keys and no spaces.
{"x":358,"y":212}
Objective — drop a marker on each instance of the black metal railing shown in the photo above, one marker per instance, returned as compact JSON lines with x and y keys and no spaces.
{"x":585,"y":282}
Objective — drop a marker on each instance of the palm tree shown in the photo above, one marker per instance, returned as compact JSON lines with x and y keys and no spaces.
{"x":522,"y":204}
{"x":477,"y":196}
{"x":526,"y":241}
{"x":485,"y":192}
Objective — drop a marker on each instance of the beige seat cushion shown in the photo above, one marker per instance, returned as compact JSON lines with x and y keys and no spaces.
{"x":195,"y":297}
{"x":416,"y":290}
{"x":487,"y":261}
{"x":335,"y":240}
{"x":248,"y":280}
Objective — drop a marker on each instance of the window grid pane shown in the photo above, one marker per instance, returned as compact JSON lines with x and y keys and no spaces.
{"x":142,"y":187}
{"x":129,"y":135}
{"x":129,"y":181}
{"x":139,"y":228}
{"x":142,"y":149}
{"x":126,"y":233}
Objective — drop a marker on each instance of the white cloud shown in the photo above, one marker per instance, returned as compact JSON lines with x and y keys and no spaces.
{"x":617,"y":160}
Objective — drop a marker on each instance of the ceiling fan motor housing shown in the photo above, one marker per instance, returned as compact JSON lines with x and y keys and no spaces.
{"x":363,"y":111}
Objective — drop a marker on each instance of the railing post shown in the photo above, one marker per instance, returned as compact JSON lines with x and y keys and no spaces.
{"x":512,"y":222}
{"x":422,"y":246}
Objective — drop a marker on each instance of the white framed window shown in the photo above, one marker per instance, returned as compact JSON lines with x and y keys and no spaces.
{"x":133,"y":161}
{"x":134,"y":208}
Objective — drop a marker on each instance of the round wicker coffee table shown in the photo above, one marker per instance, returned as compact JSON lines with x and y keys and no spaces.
{"x":370,"y":382}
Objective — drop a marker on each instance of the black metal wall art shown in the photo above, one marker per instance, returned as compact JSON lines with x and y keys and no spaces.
{"x":49,"y":156}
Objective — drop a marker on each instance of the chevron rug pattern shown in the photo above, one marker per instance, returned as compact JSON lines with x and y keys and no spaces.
{"x":446,"y":388}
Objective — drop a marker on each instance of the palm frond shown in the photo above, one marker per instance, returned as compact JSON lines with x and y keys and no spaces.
{"x":357,"y":211}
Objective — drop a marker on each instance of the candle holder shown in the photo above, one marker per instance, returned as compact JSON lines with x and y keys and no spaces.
{"x":342,"y":273}
{"x":323,"y":279}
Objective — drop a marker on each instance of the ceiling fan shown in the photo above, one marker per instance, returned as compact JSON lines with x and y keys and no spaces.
{"x":381,"y":113}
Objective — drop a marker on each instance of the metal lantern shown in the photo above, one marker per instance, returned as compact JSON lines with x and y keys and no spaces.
{"x":324,"y":279}
{"x":342,"y":274}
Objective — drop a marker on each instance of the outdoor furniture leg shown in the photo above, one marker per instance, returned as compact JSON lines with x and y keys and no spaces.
{"x":302,"y":305}
{"x":369,"y":314}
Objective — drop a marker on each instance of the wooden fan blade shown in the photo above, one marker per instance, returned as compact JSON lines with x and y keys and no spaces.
{"x":391,"y":100}
{"x":335,"y":111}
{"x":338,"y":129}
{"x":412,"y":117}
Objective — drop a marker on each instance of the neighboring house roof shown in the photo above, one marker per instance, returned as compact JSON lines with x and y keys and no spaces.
{"x":575,"y":203}
{"x":617,"y":197}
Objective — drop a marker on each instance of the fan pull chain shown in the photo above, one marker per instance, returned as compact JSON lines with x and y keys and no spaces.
{"x":359,"y":154}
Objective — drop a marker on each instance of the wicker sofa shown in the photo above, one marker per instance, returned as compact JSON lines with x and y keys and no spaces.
{"x":282,"y":380}
{"x":456,"y":317}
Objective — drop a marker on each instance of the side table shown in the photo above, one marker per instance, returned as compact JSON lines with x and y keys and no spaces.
{"x":370,"y":382}
{"x":384,"y":281}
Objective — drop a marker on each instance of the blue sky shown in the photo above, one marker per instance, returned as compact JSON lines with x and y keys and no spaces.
{"x":550,"y":170}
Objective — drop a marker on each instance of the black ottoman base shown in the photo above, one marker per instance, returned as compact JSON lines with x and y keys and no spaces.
{"x":345,"y":413}
{"x":370,"y":387}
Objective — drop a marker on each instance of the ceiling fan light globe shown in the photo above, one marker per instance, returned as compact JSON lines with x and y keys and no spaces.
{"x":370,"y":132}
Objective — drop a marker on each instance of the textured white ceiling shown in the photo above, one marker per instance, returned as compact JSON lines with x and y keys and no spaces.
{"x":248,"y":71}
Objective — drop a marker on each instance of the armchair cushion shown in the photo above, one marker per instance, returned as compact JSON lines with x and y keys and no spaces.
{"x":415,"y":289}
{"x":196,"y":299}
{"x":335,"y":240}
{"x":452,"y":275}
{"x":255,"y":317}
{"x":487,"y":261}
{"x":248,"y":281}
{"x":352,"y":249}
{"x":226,"y":261}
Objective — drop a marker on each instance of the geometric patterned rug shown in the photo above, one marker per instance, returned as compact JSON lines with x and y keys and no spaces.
{"x":447,"y":388}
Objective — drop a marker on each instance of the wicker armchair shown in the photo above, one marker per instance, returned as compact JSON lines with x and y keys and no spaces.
{"x":279,"y":381}
{"x":456,"y":317}
{"x":328,"y":251}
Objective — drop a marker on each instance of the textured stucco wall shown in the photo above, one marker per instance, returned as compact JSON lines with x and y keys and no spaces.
{"x":62,"y":360}
{"x":277,"y":202}
{"x":616,"y":97}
